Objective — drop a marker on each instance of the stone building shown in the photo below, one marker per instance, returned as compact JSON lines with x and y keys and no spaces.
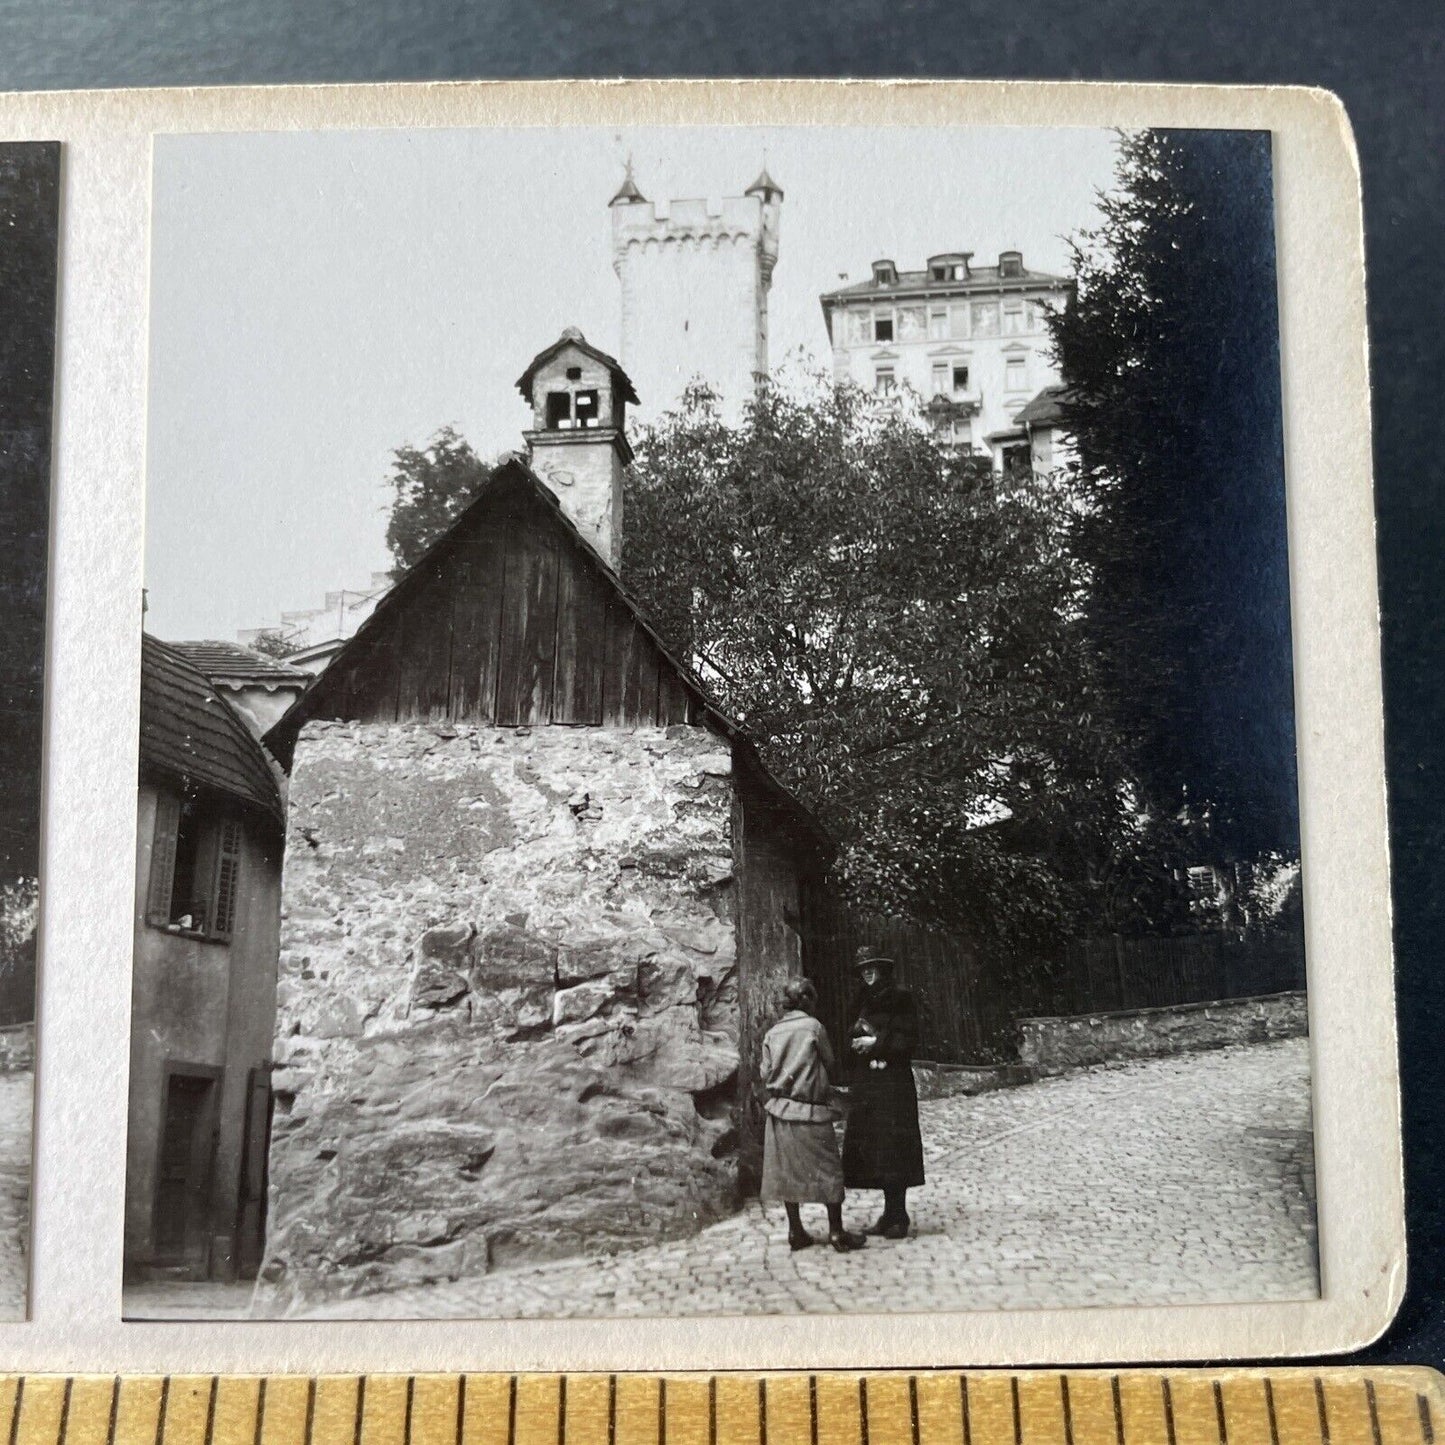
{"x":970,"y":340}
{"x":540,"y":897}
{"x":203,"y":990}
{"x":695,"y":283}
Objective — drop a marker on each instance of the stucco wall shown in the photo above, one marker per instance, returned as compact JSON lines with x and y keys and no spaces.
{"x":197,"y":1002}
{"x":507,"y":1014}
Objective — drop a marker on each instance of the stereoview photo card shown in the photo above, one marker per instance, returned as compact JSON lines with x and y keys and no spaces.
{"x":724,"y":722}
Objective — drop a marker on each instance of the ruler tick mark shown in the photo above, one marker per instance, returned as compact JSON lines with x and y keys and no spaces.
{"x":1427,"y":1425}
{"x":662,"y":1411}
{"x":1118,"y":1409}
{"x":712,"y":1410}
{"x":512,"y":1410}
{"x":211,"y":1409}
{"x":310,"y":1408}
{"x":1374,"y":1409}
{"x":863,"y":1409}
{"x":562,"y":1410}
{"x":1273,"y":1418}
{"x":1068,"y":1410}
{"x":461,"y":1407}
{"x":963,"y":1409}
{"x":360,"y":1409}
{"x":410,"y":1395}
{"x":1219,"y":1421}
{"x":1018,"y":1414}
{"x":64,"y":1427}
{"x":1167,"y":1392}
{"x":913,"y":1405}
{"x":260,"y":1411}
{"x":114,"y":1411}
{"x":1322,"y":1406}
{"x":762,"y":1412}
{"x":812,"y":1410}
{"x":164,"y":1406}
{"x":611,"y":1410}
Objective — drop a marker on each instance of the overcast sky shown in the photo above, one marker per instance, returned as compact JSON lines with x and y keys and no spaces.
{"x":320,"y":299}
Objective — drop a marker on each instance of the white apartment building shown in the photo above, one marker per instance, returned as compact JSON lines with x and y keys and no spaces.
{"x":970,"y":340}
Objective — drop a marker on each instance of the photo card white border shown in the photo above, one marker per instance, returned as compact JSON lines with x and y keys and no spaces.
{"x":92,"y":719}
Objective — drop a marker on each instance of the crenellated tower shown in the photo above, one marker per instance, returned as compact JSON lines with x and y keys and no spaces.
{"x":695,"y":284}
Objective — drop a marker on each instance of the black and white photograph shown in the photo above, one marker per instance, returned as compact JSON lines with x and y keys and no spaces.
{"x":717,"y":728}
{"x":29,"y":220}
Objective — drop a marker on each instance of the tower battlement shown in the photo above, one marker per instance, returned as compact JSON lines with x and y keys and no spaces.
{"x":695,"y":275}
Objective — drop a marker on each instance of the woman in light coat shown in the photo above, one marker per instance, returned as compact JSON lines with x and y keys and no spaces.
{"x":800,"y":1146}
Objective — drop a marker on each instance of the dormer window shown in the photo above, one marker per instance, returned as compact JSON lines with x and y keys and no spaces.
{"x":1011,"y":263}
{"x":885,"y":273}
{"x":574,"y":373}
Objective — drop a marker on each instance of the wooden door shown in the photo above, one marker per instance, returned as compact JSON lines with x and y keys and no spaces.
{"x":251,"y":1201}
{"x":183,"y":1185}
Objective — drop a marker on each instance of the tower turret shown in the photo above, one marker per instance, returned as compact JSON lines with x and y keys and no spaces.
{"x":577,"y":443}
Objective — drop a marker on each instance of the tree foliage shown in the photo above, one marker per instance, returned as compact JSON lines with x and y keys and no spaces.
{"x":898,"y":629}
{"x":1170,"y":353}
{"x":431,"y":487}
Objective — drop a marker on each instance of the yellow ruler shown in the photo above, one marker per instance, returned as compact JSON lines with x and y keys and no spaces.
{"x":1387,"y":1406}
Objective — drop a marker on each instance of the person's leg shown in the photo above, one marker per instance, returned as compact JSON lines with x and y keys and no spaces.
{"x":895,"y":1204}
{"x":842,"y":1239}
{"x":798,"y":1237}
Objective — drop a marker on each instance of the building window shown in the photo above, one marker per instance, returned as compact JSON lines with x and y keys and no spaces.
{"x":1016,"y":459}
{"x":910,"y":323}
{"x":587,"y":408}
{"x":938,"y":323}
{"x":960,"y":378}
{"x":884,"y":380}
{"x":885,"y":273}
{"x":958,"y":321}
{"x":1036,"y":313}
{"x":1013,"y":318}
{"x":940,"y":378}
{"x":883,"y":327}
{"x":1015,"y":376}
{"x":1011,"y":263}
{"x":559,"y":410}
{"x":195,"y":868}
{"x":574,"y":373}
{"x":985,"y":318}
{"x":860,"y":325}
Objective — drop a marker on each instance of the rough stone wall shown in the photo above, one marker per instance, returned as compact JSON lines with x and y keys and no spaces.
{"x":1052,"y":1045}
{"x":507,"y":1010}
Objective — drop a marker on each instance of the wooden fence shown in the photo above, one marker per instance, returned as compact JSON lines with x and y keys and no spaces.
{"x":969,"y":1006}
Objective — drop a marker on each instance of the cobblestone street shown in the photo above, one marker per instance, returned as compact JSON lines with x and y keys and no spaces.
{"x":16,"y":1108}
{"x":1178,"y":1180}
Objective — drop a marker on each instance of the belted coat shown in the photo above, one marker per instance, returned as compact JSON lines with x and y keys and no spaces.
{"x":882,"y":1146}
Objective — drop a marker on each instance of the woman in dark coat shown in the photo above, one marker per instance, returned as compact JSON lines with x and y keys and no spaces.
{"x":882,"y":1146}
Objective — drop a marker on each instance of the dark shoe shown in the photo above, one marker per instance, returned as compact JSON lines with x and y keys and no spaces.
{"x":845,"y":1240}
{"x":801,"y":1241}
{"x":895,"y":1229}
{"x":879,"y":1227}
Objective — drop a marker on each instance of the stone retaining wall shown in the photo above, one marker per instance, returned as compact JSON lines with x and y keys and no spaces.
{"x":507,"y":1004}
{"x":17,"y":1048}
{"x":1053,"y":1045}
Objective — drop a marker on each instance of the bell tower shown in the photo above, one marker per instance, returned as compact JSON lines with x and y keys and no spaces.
{"x":577,"y":443}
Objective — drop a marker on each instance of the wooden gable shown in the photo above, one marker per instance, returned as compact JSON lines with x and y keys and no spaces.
{"x":511,"y":620}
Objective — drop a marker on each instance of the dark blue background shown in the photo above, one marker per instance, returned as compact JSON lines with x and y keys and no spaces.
{"x":1386,"y":60}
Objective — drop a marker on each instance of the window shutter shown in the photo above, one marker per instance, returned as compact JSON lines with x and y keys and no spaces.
{"x":228,"y":874}
{"x":163,"y":858}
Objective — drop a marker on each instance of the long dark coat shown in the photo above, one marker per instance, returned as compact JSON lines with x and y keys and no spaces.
{"x":882,"y":1147}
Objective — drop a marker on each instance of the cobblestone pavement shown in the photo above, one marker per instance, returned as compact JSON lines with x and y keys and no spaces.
{"x":1180,"y":1180}
{"x":16,"y":1112}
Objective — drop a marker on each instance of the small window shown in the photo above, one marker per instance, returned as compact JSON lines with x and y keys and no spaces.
{"x":586,"y":408}
{"x":938,"y":324}
{"x":940,"y":378}
{"x":884,"y":380}
{"x":960,"y":378}
{"x":885,"y":273}
{"x":1013,"y":318}
{"x":574,"y":373}
{"x":559,"y":410}
{"x":1017,"y":459}
{"x":958,"y":321}
{"x":195,"y":868}
{"x":883,"y":328}
{"x":938,"y":273}
{"x":1015,"y":374}
{"x":1011,"y":263}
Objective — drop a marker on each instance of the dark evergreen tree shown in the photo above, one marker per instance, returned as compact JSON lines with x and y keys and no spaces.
{"x":1171,"y":355}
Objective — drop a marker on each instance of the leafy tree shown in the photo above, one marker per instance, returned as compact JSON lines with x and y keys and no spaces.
{"x":898,"y":629}
{"x":431,"y":487}
{"x":1170,"y":353}
{"x":271,"y":643}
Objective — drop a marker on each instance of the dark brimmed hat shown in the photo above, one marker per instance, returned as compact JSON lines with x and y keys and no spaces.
{"x":868,"y":954}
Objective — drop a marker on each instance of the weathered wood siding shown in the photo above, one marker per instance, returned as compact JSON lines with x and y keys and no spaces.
{"x":772,"y":867}
{"x":512,"y":624}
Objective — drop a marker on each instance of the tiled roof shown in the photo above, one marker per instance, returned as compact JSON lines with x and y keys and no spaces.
{"x":980,"y":278}
{"x":572,"y":337}
{"x":193,"y":735}
{"x":1046,"y":409}
{"x":230,"y":662}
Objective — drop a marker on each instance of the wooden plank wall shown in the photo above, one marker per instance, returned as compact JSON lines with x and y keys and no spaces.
{"x":514,"y":627}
